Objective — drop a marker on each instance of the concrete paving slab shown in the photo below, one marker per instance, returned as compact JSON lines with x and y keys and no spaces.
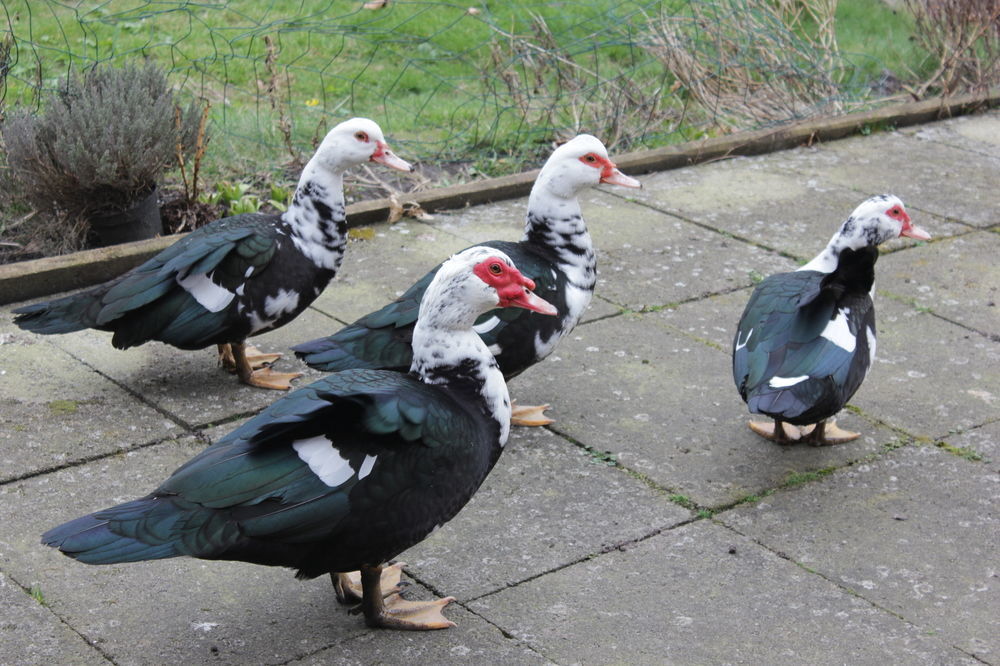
{"x":711,"y":321}
{"x":190,"y":385}
{"x":947,"y":182}
{"x":378,"y":270}
{"x":651,"y":393}
{"x":665,"y":406}
{"x":930,"y":377}
{"x":187,"y":384}
{"x":479,"y":643}
{"x":700,"y":594}
{"x":979,"y":133}
{"x":56,"y":411}
{"x":956,"y":278}
{"x":179,"y":610}
{"x":536,"y":513}
{"x":31,"y":634}
{"x":915,"y":532}
{"x":767,"y":201}
{"x":656,"y":258}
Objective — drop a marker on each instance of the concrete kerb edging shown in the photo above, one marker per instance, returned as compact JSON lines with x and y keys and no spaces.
{"x":41,"y":277}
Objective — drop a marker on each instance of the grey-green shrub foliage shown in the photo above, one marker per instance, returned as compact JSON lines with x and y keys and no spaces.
{"x":101,"y":142}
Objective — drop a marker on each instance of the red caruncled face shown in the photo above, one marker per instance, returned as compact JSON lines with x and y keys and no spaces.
{"x":513,"y":288}
{"x":897,"y":212}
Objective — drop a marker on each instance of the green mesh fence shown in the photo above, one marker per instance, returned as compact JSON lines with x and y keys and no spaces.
{"x":448,"y":80}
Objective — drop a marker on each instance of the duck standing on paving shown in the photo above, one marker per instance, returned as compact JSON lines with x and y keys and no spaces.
{"x":236,"y":277}
{"x":347,"y":472}
{"x":556,"y":252}
{"x":807,"y":338}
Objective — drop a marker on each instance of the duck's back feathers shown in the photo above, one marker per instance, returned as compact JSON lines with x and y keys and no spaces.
{"x":383,"y":339}
{"x":806,"y":340}
{"x":182,"y":296}
{"x":363,"y":453}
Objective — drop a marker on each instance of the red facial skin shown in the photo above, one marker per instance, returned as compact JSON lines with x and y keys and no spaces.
{"x":897,"y":212}
{"x":513,"y":288}
{"x":609,"y":173}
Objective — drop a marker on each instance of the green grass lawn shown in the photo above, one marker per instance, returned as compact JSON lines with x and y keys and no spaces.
{"x":445,"y":83}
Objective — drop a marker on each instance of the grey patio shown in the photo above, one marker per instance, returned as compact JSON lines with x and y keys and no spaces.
{"x":647,"y":524}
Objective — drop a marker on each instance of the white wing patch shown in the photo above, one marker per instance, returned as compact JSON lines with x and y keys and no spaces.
{"x":838,"y":332}
{"x":284,"y":301}
{"x":209,"y":295}
{"x":785,"y":382}
{"x":487,"y":325}
{"x":366,"y":467}
{"x":871,"y":345}
{"x":741,"y":345}
{"x":325,"y":461}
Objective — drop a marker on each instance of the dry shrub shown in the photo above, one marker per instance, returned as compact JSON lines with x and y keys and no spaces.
{"x":546,"y":86}
{"x":102,"y":141}
{"x":752,"y":60}
{"x":964,"y":37}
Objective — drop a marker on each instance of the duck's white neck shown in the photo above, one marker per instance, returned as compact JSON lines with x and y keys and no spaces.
{"x":554,"y":221}
{"x":449,"y":353}
{"x":317,"y":215}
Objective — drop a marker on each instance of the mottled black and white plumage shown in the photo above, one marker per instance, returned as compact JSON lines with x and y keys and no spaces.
{"x":236,"y":277}
{"x":806,"y":339}
{"x":556,"y":252}
{"x":347,"y":472}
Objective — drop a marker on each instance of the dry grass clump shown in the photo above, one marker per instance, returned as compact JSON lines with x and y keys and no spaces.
{"x":964,"y":37}
{"x":540,"y":83}
{"x":752,"y":60}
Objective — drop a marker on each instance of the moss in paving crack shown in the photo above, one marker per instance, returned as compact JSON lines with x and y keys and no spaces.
{"x":36,"y":594}
{"x":893,"y":444}
{"x":753,"y":498}
{"x":684,"y":501}
{"x":961,"y":451}
{"x":799,"y":478}
{"x":63,"y":406}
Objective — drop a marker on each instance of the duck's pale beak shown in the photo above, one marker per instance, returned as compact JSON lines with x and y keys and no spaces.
{"x":383,"y":155}
{"x":913,"y":231}
{"x":529,"y":300}
{"x":612,"y":176}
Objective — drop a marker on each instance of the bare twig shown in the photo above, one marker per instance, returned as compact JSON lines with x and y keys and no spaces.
{"x":272,"y":89}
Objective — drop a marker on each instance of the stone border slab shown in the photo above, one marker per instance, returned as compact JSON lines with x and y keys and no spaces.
{"x":31,"y":279}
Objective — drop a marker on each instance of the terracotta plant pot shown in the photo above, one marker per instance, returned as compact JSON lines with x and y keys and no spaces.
{"x":139,"y":222}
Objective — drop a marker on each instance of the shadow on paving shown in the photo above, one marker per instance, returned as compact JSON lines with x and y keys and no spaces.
{"x":647,"y":524}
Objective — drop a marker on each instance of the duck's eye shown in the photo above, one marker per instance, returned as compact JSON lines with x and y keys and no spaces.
{"x":590,"y":158}
{"x":361,"y":136}
{"x":496,"y":269}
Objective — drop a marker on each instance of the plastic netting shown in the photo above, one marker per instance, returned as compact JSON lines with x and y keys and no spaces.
{"x":451,"y":80}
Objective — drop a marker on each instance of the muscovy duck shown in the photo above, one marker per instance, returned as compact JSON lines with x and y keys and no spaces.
{"x":807,"y":338}
{"x":236,"y":277}
{"x":347,"y":472}
{"x":556,"y":252}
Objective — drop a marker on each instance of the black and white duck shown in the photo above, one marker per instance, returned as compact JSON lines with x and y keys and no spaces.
{"x":806,"y":339}
{"x":556,"y":252}
{"x":236,"y":277}
{"x":346,"y":473}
